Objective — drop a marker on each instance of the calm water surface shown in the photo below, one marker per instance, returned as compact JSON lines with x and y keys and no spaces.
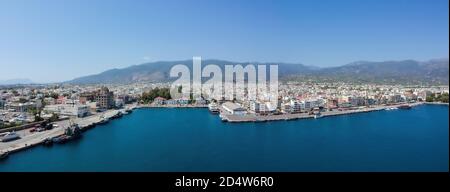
{"x":194,"y":140}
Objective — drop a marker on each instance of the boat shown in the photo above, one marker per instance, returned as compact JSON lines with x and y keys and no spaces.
{"x":70,"y":133}
{"x":404,"y":107}
{"x":391,"y":108}
{"x":10,"y":136}
{"x":48,"y":142}
{"x":317,"y":116}
{"x":213,"y":108}
{"x":60,"y":139}
{"x":103,"y":120}
{"x":73,"y":131}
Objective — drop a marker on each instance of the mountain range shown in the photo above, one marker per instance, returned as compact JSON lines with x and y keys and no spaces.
{"x":434,"y":71}
{"x":16,"y":82}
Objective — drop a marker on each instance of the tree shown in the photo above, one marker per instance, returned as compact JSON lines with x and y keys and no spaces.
{"x":54,"y":117}
{"x":148,"y":97}
{"x":22,"y":100}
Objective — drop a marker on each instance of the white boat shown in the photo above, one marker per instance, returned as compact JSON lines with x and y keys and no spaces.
{"x":213,"y":108}
{"x":317,"y":116}
{"x":391,"y":108}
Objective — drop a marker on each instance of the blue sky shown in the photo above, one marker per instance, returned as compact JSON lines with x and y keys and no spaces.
{"x":54,"y":40}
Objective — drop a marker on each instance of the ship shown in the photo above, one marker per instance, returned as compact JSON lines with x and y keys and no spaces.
{"x":10,"y":136}
{"x":213,"y":108}
{"x":73,"y":131}
{"x":70,"y":133}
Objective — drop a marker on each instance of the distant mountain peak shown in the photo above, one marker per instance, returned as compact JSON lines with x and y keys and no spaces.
{"x":16,"y":81}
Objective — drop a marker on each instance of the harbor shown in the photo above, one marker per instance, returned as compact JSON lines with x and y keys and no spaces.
{"x":178,"y":139}
{"x":58,"y":134}
{"x":28,"y":138}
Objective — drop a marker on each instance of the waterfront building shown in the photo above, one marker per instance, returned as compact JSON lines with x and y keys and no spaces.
{"x":159,"y":101}
{"x":171,"y":102}
{"x":119,"y":102}
{"x":424,"y":94}
{"x":104,"y":99}
{"x":286,"y":108}
{"x":254,"y":106}
{"x":69,"y":110}
{"x":295,"y":106}
{"x":21,"y":107}
{"x":332,"y":103}
{"x":394,"y":98}
{"x":233,"y":108}
{"x":92,"y":106}
{"x":183,"y":101}
{"x":85,"y":97}
{"x":267,"y":108}
{"x":200,"y":101}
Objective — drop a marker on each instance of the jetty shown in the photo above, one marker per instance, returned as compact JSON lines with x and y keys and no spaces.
{"x":227,"y":117}
{"x":29,"y":139}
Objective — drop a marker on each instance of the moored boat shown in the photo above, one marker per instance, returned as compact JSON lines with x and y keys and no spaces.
{"x":404,"y":107}
{"x":213,"y":108}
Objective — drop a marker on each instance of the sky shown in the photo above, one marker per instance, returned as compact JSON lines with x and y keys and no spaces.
{"x":54,"y":40}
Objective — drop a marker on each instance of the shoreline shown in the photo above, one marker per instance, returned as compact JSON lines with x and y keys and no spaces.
{"x":436,"y":103}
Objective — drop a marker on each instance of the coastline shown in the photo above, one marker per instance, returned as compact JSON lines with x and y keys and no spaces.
{"x":436,"y":103}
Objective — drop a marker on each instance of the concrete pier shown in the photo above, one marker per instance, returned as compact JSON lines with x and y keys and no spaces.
{"x":28,"y":139}
{"x":262,"y":118}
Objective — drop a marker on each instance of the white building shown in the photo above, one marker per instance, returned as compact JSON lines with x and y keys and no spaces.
{"x":119,"y":103}
{"x":233,"y":108}
{"x":69,"y":110}
{"x":254,"y":106}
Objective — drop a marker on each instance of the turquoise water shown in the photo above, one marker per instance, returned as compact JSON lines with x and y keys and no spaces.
{"x":194,"y":140}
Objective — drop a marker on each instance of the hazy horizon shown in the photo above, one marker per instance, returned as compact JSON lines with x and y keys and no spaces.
{"x":53,"y":41}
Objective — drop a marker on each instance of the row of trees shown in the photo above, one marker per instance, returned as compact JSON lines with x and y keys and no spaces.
{"x":438,"y":98}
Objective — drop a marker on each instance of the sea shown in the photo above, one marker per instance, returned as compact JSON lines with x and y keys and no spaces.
{"x":193,"y":140}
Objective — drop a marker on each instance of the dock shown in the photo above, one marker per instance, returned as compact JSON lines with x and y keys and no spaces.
{"x":28,"y":139}
{"x":293,"y":116}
